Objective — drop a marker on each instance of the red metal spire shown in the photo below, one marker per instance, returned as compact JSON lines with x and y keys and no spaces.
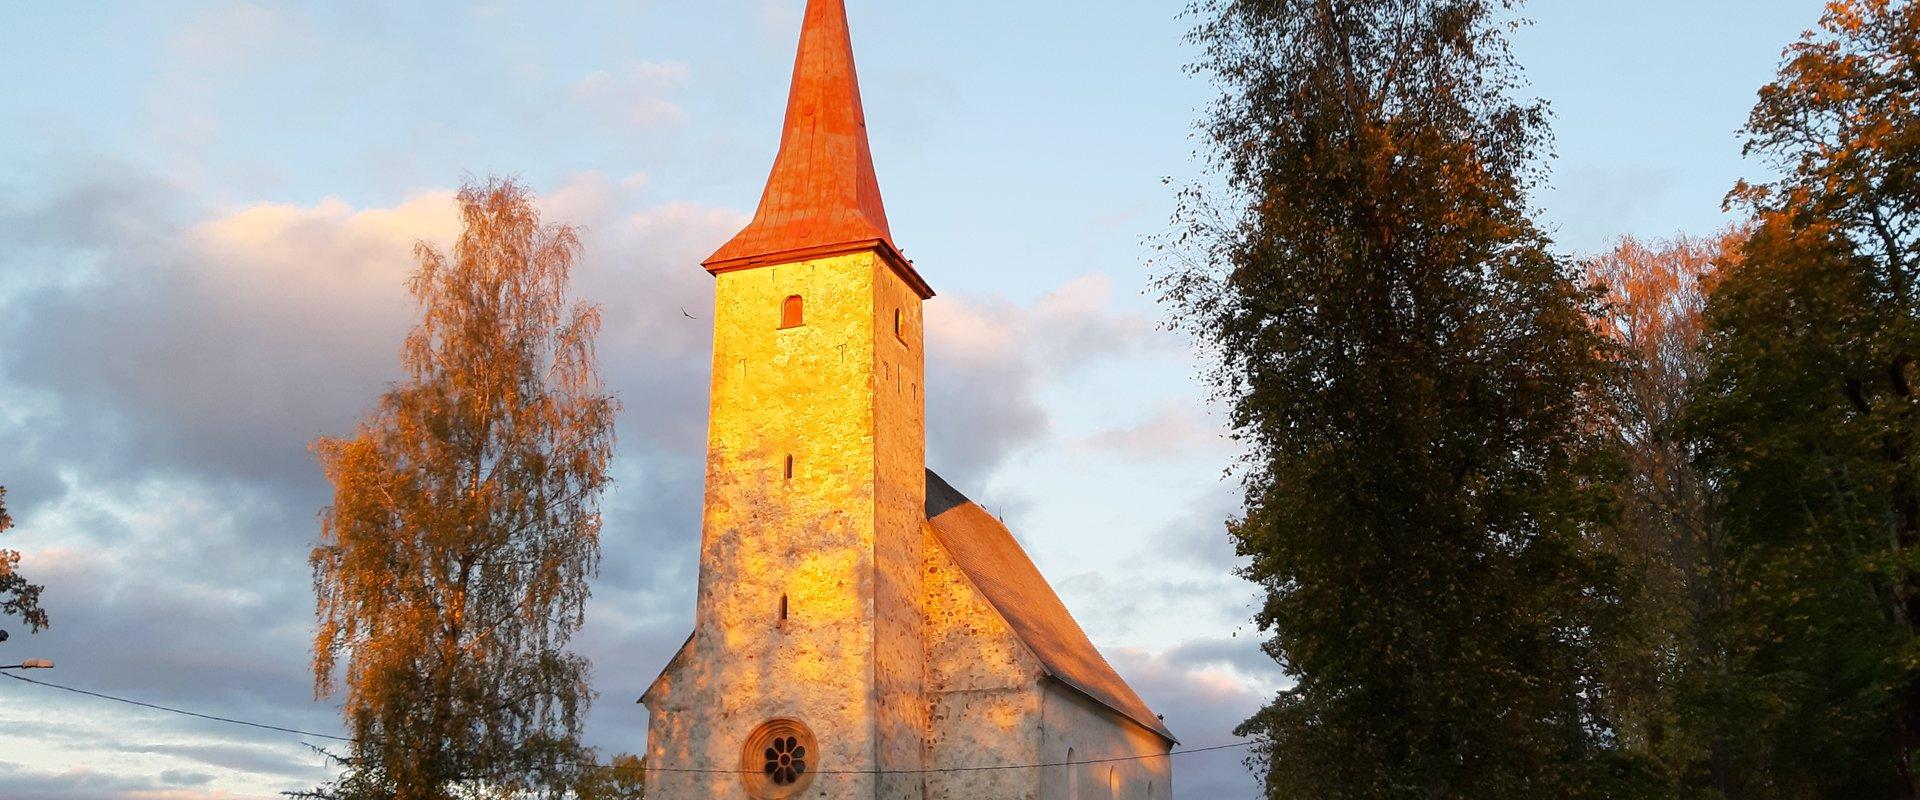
{"x":823,"y":197}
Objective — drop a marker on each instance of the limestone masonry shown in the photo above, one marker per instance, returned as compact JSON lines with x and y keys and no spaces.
{"x":863,"y":630}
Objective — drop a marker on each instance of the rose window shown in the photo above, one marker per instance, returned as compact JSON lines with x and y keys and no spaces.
{"x":779,"y":760}
{"x":786,"y":761}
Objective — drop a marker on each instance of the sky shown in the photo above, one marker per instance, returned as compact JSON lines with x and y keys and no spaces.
{"x":207,"y":213}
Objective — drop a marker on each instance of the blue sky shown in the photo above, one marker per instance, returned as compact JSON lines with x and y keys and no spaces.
{"x":205,"y":216}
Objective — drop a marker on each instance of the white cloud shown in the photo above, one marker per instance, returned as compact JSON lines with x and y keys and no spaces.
{"x":989,"y":358}
{"x":1172,"y":430}
{"x":175,"y":364}
{"x":637,"y":95}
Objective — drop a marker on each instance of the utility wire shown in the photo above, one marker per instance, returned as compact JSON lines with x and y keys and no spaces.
{"x":295,"y":732}
{"x":650,"y":768}
{"x":1234,"y":745}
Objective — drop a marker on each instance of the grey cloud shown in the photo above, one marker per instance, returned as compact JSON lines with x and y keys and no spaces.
{"x":987,"y":359}
{"x":180,"y":777}
{"x":25,"y":783}
{"x":1241,"y":653}
{"x":159,"y":467}
{"x":163,"y":369}
{"x":1199,"y":537}
{"x":161,"y":358}
{"x":1203,"y":710}
{"x":237,"y":757}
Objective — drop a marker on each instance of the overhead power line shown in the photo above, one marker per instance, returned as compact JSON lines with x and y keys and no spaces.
{"x":650,"y":768}
{"x":181,"y":712}
{"x":933,"y":770}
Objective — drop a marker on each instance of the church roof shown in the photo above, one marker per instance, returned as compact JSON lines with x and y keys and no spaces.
{"x":823,"y":197}
{"x":996,"y":564}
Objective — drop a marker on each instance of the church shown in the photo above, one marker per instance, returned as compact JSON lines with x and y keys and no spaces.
{"x":862,"y":629}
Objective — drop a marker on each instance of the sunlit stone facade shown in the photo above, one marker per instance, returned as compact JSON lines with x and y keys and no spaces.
{"x":862,"y":630}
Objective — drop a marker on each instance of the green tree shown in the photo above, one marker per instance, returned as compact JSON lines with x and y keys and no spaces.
{"x":1799,"y":476}
{"x":1415,"y":375}
{"x":1807,"y":418}
{"x":454,"y":561}
{"x":624,"y":779}
{"x":17,"y":597}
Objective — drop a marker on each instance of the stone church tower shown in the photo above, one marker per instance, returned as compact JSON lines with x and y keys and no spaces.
{"x":862,"y":629}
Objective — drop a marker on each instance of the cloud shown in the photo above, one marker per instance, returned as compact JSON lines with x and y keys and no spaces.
{"x":166,"y":364}
{"x":222,"y":347}
{"x":225,"y":346}
{"x":163,"y":381}
{"x":988,"y":359}
{"x":1173,"y":430}
{"x":24,"y":783}
{"x":1205,"y":689}
{"x":637,"y":94}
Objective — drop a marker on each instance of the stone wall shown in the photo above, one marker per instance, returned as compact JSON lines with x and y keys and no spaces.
{"x":983,"y":691}
{"x":885,"y":649}
{"x":828,"y":538}
{"x":899,"y":414}
{"x":1077,"y":729}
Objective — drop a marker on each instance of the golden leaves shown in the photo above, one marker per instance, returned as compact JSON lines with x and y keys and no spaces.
{"x":453,"y":563}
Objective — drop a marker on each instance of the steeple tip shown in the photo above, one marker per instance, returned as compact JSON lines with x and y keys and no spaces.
{"x":822,"y":196}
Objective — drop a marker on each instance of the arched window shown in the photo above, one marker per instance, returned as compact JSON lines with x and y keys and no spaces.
{"x":1113,"y":783}
{"x":793,"y":312}
{"x":1073,"y":777}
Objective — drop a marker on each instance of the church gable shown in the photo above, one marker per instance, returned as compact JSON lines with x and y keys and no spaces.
{"x":662,"y":687}
{"x":970,"y":647}
{"x":995,"y":564}
{"x":984,"y":702}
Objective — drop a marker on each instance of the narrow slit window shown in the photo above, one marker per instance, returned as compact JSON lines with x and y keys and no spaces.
{"x":789,"y":467}
{"x":783,"y":611}
{"x":899,"y":327}
{"x":793,"y":312}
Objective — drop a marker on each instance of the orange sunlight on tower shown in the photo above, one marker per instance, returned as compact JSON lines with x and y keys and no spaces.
{"x":858,"y":622}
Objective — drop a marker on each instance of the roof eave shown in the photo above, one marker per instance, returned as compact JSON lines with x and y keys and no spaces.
{"x":1157,"y":727}
{"x":887,"y":252}
{"x":677,"y":656}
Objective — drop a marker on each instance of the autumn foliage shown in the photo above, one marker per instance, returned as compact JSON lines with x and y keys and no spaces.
{"x":1808,"y":421}
{"x":1672,"y":550}
{"x":454,"y":561}
{"x":1414,"y":372}
{"x":18,"y":598}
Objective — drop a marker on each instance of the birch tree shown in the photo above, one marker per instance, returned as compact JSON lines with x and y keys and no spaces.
{"x":454,"y":561}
